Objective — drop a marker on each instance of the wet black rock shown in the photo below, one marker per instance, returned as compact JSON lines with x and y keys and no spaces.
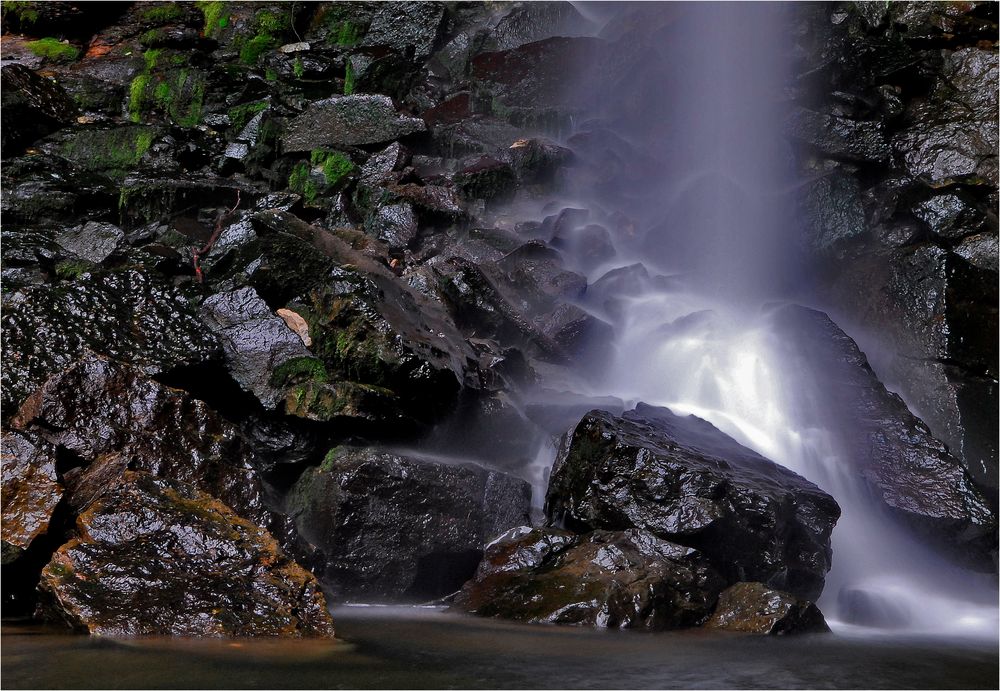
{"x":93,"y":242}
{"x":31,"y":490}
{"x":157,"y":556}
{"x":411,"y":28}
{"x":905,"y":467}
{"x":685,"y":481}
{"x":255,"y":340}
{"x":395,"y":527}
{"x":348,"y":120}
{"x":486,"y":178}
{"x":755,"y":608}
{"x":627,"y":579}
{"x":32,"y":108}
{"x":841,"y":138}
{"x":111,"y":417}
{"x":128,"y":315}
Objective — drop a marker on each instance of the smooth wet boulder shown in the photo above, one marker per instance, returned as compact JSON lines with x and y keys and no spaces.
{"x":31,"y":490}
{"x":608,"y":579}
{"x":683,"y":480}
{"x":159,"y":557}
{"x":111,"y":417}
{"x":256,"y":341}
{"x":32,"y":108}
{"x":348,"y":120}
{"x":128,"y":315}
{"x":755,"y":608}
{"x":396,"y":527}
{"x":905,"y":467}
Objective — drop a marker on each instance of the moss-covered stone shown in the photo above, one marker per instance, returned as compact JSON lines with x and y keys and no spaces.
{"x":54,"y":49}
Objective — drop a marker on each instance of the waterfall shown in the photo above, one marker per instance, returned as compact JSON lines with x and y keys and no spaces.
{"x":717,"y":241}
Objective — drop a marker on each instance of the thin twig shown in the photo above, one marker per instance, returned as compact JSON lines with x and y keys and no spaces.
{"x":196,"y":255}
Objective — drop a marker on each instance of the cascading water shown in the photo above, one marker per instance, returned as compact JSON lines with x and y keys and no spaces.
{"x":713,"y":242}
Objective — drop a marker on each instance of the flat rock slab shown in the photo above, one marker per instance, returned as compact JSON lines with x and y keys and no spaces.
{"x":402,"y":528}
{"x":348,"y":121}
{"x":606,"y":579}
{"x":683,"y":480}
{"x":158,"y":557}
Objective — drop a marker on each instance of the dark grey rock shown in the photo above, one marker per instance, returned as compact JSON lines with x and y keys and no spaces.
{"x":395,"y":527}
{"x":31,"y":490}
{"x":406,"y":26}
{"x":128,"y":315}
{"x":628,"y":579}
{"x":92,"y":241}
{"x":348,"y":120}
{"x":255,"y":340}
{"x":683,"y":480}
{"x":838,"y":137}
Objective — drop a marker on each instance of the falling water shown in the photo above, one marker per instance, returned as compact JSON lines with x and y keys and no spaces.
{"x":687,"y":292}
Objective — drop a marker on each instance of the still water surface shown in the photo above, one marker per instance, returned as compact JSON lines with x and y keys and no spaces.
{"x":427,"y":648}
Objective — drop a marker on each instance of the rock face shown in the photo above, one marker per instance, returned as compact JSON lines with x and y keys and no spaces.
{"x":31,"y":490}
{"x":152,"y":543}
{"x":111,"y":418}
{"x":52,"y":325}
{"x":899,"y":238}
{"x":684,"y":481}
{"x":755,"y":608}
{"x":628,"y":579}
{"x":395,"y":527}
{"x":910,"y":471}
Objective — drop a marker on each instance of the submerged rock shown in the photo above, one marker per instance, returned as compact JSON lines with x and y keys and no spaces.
{"x":127,"y":315}
{"x":396,"y":527}
{"x":156,"y":556}
{"x":755,"y":608}
{"x":31,"y":490}
{"x":683,"y":480}
{"x":627,"y":579}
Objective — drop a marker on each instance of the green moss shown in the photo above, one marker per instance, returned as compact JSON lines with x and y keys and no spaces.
{"x":216,"y":16}
{"x":345,"y":33}
{"x":348,"y":79}
{"x":271,"y":75}
{"x":53,"y":49}
{"x":299,"y":369}
{"x":137,"y":96}
{"x":26,"y":12}
{"x":330,"y":459}
{"x":162,"y":95}
{"x":187,"y":98}
{"x":72,"y":268}
{"x":298,"y":69}
{"x":336,"y":166}
{"x":258,"y":45}
{"x":153,"y":37}
{"x":240,"y":115}
{"x":300,"y":183}
{"x":271,"y":23}
{"x":167,"y":12}
{"x":113,"y":152}
{"x":151,"y":57}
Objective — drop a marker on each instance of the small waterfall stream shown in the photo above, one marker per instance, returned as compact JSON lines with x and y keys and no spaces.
{"x":687,"y":290}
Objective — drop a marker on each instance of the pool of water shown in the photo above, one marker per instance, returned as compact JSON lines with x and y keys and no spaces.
{"x":394,"y":647}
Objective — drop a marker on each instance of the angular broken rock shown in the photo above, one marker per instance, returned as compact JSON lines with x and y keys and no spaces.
{"x":401,"y":528}
{"x":627,"y":579}
{"x":159,"y":557}
{"x":112,"y":417}
{"x":683,"y":480}
{"x":755,"y":608}
{"x":31,"y":490}
{"x":255,"y":341}
{"x":348,"y":121}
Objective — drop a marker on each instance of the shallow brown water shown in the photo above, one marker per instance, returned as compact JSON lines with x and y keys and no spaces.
{"x":427,"y":648}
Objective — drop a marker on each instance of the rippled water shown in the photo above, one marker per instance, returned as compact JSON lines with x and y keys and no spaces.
{"x":427,"y":648}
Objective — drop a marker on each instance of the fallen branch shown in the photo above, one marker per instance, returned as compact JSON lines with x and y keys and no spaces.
{"x":196,"y":256}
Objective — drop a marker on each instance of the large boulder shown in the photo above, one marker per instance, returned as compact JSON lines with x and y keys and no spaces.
{"x":111,"y":417}
{"x":755,"y":608}
{"x":626,"y":579}
{"x":906,"y":468}
{"x":155,"y":556}
{"x":400,"y":528}
{"x":128,"y":315}
{"x":683,"y":480}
